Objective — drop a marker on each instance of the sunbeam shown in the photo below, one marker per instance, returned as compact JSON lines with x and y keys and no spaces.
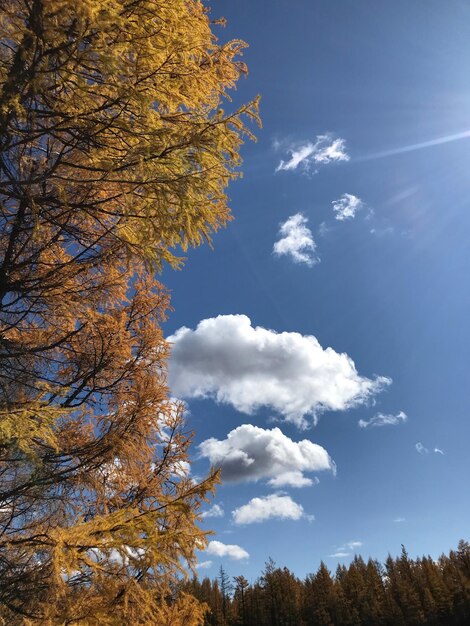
{"x":416,"y":146}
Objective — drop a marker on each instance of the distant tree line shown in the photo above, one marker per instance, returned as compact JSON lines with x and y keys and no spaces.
{"x":401,"y":591}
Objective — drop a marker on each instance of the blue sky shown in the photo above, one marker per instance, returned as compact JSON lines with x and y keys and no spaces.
{"x":351,"y":90}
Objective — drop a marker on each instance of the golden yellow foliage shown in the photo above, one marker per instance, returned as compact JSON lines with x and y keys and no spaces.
{"x":115,"y":154}
{"x":113,"y":110}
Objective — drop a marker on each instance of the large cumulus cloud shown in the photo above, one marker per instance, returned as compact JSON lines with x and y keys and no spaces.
{"x":231,"y":361}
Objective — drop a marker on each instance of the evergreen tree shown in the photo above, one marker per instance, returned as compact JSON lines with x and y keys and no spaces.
{"x":241,"y":586}
{"x":404,"y":591}
{"x":226,"y":588}
{"x":319,"y":598}
{"x":457,"y":582}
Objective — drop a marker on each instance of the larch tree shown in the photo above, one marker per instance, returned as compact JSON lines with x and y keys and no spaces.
{"x":226,"y":588}
{"x":241,"y":586}
{"x":114,"y":154}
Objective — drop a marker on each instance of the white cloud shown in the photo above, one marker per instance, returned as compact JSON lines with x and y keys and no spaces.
{"x":204,"y":565}
{"x":268,"y":507}
{"x":228,"y":359}
{"x":123,"y":556}
{"x":302,"y":154}
{"x":324,"y":150}
{"x":384,"y":420}
{"x":215,"y":511}
{"x":346,"y":549}
{"x":217,"y":548}
{"x":382,"y":231}
{"x":345,"y":207}
{"x":182,"y":469}
{"x":251,"y":453}
{"x":399,"y":520}
{"x":421,"y":449}
{"x":328,"y":149}
{"x":293,"y":479}
{"x":296,"y":241}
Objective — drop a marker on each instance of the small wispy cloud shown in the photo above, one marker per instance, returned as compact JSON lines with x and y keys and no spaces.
{"x":204,"y":565}
{"x":420,"y":449}
{"x":323,"y":229}
{"x":325,"y":149}
{"x":399,"y":520}
{"x":301,"y":155}
{"x":381,"y":231}
{"x":215,"y":511}
{"x":347,"y":549}
{"x":296,"y":240}
{"x":423,"y":450}
{"x":381,"y":419}
{"x":346,"y":207}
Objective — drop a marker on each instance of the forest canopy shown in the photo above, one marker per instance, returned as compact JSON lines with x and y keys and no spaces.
{"x":400,"y":592}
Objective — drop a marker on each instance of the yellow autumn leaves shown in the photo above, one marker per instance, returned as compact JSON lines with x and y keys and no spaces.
{"x":115,"y":154}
